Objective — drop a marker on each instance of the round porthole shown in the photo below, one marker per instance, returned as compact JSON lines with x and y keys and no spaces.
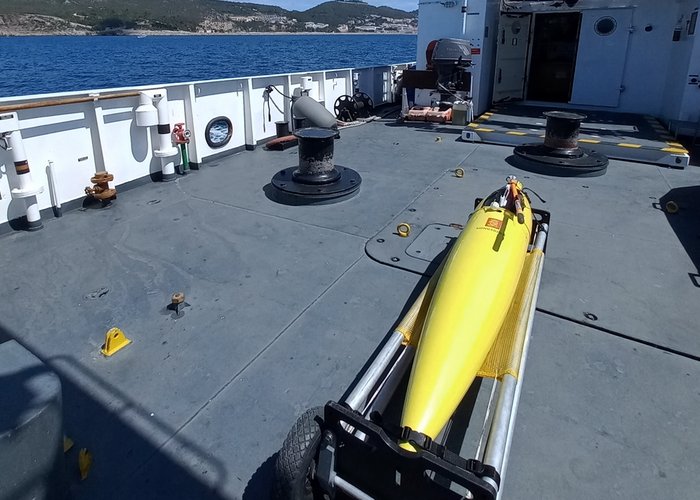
{"x":605,"y":26}
{"x":218,"y":132}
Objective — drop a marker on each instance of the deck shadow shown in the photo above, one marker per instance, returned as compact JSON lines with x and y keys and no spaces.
{"x":121,"y":452}
{"x":685,"y":222}
{"x":259,"y":486}
{"x":427,"y":127}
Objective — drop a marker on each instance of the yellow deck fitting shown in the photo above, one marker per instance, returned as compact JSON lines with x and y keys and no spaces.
{"x":484,"y":130}
{"x":459,"y":172}
{"x":513,"y":132}
{"x":115,"y":340}
{"x":67,"y":444}
{"x":589,"y":141}
{"x":676,"y":145}
{"x":84,"y":463}
{"x":403,"y":229}
{"x":675,"y":151}
{"x":672,"y":207}
{"x":628,"y":145}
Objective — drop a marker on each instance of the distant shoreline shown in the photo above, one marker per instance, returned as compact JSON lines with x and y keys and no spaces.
{"x":146,"y":33}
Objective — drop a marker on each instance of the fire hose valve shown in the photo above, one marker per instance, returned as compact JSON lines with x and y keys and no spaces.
{"x":181,"y":135}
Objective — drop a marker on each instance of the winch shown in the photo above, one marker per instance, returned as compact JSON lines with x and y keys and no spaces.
{"x":349,"y":108}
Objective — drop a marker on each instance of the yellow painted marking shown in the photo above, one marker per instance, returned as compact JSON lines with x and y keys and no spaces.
{"x":484,"y":130}
{"x":675,"y":151}
{"x":516,"y":133}
{"x":473,"y":125}
{"x":626,"y":145}
{"x":676,"y":144}
{"x":589,"y":141}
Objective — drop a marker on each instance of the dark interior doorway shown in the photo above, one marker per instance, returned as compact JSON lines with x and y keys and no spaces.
{"x":554,"y":46}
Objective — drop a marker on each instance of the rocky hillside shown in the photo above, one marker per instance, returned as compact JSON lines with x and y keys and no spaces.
{"x":25,"y":17}
{"x":32,"y":24}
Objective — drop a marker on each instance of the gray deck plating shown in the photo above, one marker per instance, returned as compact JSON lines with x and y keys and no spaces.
{"x":286,"y":308}
{"x":611,"y":251}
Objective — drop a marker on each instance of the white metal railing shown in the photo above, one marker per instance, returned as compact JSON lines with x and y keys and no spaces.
{"x":81,"y":138}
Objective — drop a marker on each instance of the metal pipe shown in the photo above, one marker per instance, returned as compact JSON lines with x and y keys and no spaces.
{"x":358,"y":396}
{"x":539,"y":244}
{"x":349,"y":489}
{"x":185,"y":158}
{"x":407,"y":332}
{"x":53,"y":192}
{"x":63,"y":102}
{"x":483,"y":437}
{"x":26,"y":188}
{"x":503,"y":422}
{"x":166,"y":151}
{"x":495,"y":448}
{"x":381,"y":397}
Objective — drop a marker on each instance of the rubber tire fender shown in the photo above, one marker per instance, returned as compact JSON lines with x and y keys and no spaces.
{"x":296,"y":460}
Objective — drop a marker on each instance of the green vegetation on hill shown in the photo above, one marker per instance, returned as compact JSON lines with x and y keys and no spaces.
{"x":335,"y":13}
{"x":199,"y":15}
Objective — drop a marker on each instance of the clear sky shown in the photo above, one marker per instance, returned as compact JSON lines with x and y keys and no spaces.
{"x":407,"y":5}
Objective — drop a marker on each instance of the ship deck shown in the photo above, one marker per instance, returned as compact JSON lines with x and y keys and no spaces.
{"x":286,"y":307}
{"x":623,"y":136}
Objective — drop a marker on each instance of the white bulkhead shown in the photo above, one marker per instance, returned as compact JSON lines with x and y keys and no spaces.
{"x":634,"y":56}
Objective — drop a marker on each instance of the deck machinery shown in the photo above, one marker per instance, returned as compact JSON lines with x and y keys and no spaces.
{"x":472,"y":320}
{"x":445,"y":81}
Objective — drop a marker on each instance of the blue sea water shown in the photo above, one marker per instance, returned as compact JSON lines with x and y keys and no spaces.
{"x":44,"y":64}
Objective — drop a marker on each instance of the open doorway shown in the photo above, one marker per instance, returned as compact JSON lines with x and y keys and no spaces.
{"x":553,"y":57}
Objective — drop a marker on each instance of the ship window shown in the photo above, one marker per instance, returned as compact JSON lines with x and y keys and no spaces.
{"x":218,"y":132}
{"x":605,"y":26}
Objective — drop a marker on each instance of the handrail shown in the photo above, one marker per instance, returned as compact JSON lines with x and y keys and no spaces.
{"x":61,"y":102}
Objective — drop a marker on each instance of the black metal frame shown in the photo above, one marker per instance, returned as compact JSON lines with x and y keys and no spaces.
{"x":383,"y":470}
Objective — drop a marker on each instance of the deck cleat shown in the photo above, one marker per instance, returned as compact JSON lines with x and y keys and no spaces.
{"x":177,"y":303}
{"x":115,"y":340}
{"x":560,"y":153}
{"x":317,"y":180}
